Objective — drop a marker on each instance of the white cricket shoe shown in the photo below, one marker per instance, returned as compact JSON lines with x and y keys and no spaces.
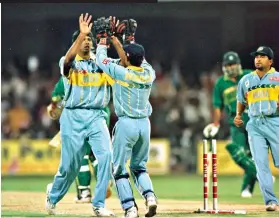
{"x":132,"y":212}
{"x":272,"y":207}
{"x":151,"y":206}
{"x":50,"y":207}
{"x":100,"y":212}
{"x":246,"y":193}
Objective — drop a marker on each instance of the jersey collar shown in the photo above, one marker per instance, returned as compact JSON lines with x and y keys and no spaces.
{"x":134,"y":68}
{"x":272,"y":70}
{"x":79,"y":58}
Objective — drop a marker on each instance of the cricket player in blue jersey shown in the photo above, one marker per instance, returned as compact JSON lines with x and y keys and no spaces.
{"x":87,"y":93}
{"x":131,"y":140}
{"x":259,"y":91}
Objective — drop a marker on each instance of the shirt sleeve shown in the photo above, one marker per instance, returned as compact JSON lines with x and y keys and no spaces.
{"x":240,"y":92}
{"x":146,"y":66}
{"x":58,"y":91}
{"x":61,"y":65}
{"x":116,"y":61}
{"x":217,"y":97}
{"x":107,"y":65}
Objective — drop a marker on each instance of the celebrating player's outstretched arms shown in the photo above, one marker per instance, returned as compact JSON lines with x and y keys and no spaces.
{"x":87,"y":93}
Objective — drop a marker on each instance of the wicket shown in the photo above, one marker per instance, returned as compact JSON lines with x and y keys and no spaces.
{"x":214,"y":182}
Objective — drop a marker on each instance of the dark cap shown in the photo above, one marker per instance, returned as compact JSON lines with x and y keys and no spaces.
{"x":231,"y":58}
{"x":135,"y":53}
{"x":134,"y":50}
{"x":263,"y":50}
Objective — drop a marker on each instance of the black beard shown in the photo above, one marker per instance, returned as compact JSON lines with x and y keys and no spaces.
{"x":260,"y":68}
{"x":86,"y":52}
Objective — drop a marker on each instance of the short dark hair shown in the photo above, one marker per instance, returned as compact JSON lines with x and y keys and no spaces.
{"x":135,"y":60}
{"x":76,"y":33}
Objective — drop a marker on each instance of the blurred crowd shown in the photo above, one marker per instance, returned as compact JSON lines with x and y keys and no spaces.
{"x":181,"y":105}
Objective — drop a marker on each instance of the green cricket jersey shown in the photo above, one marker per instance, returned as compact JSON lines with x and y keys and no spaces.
{"x":58,"y":92}
{"x":224,"y":95}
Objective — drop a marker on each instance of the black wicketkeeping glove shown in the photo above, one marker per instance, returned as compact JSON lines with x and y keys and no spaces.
{"x":126,"y":30}
{"x":130,"y":32}
{"x":102,"y":28}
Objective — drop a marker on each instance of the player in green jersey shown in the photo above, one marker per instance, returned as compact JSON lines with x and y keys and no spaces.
{"x":224,"y":97}
{"x":84,"y":177}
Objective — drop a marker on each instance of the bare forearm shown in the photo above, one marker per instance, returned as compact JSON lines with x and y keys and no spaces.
{"x":240,"y":108}
{"x":72,"y":52}
{"x":120,"y":51}
{"x":216,"y":116}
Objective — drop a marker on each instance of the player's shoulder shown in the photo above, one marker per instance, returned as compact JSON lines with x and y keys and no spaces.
{"x":247,"y":77}
{"x":220,"y":80}
{"x":62,"y":58}
{"x":275,"y":72}
{"x":61,"y":61}
{"x":246,"y":71}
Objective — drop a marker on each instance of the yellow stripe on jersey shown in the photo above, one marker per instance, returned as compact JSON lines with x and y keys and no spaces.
{"x":134,"y":68}
{"x":83,"y":78}
{"x":112,"y":81}
{"x":138,"y":78}
{"x":263,"y":94}
{"x":109,"y":79}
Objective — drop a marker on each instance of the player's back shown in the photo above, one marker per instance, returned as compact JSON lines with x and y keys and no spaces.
{"x":131,"y":92}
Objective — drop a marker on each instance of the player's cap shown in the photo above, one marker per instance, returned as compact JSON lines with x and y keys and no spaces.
{"x":135,"y":53}
{"x":231,"y":57}
{"x":134,"y":50}
{"x":263,"y":50}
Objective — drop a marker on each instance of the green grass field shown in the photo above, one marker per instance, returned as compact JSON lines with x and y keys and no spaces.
{"x":174,"y":187}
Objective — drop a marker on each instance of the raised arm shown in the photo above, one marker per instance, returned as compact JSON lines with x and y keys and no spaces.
{"x":85,"y":28}
{"x":120,"y":51}
{"x":114,"y":70}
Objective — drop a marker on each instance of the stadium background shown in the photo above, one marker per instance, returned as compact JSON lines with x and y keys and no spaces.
{"x":184,"y":42}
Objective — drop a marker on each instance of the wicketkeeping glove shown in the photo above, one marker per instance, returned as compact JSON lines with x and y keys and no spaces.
{"x":126,"y":30}
{"x":103,"y":28}
{"x":131,"y":31}
{"x":211,"y":130}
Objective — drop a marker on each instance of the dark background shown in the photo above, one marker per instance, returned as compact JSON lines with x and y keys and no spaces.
{"x":195,"y":33}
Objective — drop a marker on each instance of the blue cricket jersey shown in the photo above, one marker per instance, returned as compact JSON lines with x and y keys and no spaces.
{"x":261,"y":95}
{"x":86,"y":85}
{"x":131,"y":86}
